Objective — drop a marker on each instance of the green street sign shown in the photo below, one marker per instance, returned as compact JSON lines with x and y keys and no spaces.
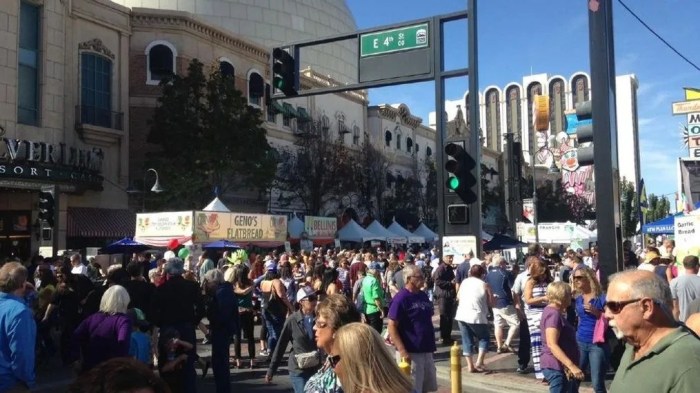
{"x":394,"y":40}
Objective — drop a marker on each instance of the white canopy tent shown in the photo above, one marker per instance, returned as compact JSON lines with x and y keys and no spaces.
{"x":401,"y":231}
{"x":353,"y":232}
{"x":378,"y":229}
{"x":424,"y":231}
{"x":216,"y":206}
{"x":295,"y":227}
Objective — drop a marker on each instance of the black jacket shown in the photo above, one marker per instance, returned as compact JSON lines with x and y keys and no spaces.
{"x":177,"y":301}
{"x":444,"y":278}
{"x":294,"y":331}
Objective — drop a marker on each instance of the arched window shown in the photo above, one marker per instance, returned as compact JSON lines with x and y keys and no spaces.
{"x":160,"y":61}
{"x":256,"y":88}
{"x":355,"y":135}
{"x":398,"y":141}
{"x":428,"y":151}
{"x":417,"y":149}
{"x":387,"y":138}
{"x":409,"y":144}
{"x":226,"y":69}
{"x":95,"y":90}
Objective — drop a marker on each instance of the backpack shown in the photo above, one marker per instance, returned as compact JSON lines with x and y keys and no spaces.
{"x":360,"y":298}
{"x":428,"y":274}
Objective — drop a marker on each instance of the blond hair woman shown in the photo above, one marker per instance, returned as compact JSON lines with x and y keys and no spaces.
{"x":369,"y":367}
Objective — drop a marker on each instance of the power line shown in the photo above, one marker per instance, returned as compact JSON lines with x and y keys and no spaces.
{"x":658,"y":36}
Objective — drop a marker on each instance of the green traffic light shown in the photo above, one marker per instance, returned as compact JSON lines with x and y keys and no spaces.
{"x":453,"y":183}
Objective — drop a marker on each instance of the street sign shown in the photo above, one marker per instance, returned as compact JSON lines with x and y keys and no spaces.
{"x":394,"y":40}
{"x":683,"y":107}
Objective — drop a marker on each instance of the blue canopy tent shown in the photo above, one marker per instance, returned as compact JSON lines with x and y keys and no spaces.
{"x":222,"y":244}
{"x":502,"y":242}
{"x":124,"y":246}
{"x":664,"y":226}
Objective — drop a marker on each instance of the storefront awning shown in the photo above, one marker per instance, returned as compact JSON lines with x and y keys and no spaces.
{"x":303,"y":115}
{"x":277,"y":107}
{"x":289,"y":110}
{"x":102,"y":223}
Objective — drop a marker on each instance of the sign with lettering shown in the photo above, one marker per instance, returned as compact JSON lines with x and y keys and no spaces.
{"x":687,"y":231}
{"x":458,"y":246}
{"x":683,"y":107}
{"x":57,"y":163}
{"x":239,"y":227}
{"x":320,"y":227}
{"x":170,"y":224}
{"x":394,"y":40}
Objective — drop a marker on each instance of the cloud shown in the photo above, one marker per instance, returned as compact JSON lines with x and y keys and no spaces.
{"x":625,"y":63}
{"x":646,"y":121}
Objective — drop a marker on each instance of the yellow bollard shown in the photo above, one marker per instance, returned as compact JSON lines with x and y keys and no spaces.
{"x":405,"y":366}
{"x":456,"y":368}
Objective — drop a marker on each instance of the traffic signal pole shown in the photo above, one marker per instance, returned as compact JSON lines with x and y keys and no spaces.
{"x":606,"y":169}
{"x":474,"y":147}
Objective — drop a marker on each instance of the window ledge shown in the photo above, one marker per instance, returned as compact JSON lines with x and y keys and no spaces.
{"x":99,"y":136}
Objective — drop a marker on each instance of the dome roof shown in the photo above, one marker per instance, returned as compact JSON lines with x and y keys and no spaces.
{"x":271,"y":22}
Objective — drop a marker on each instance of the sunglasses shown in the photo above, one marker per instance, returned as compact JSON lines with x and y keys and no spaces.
{"x":334,"y":360}
{"x":616,"y":307}
{"x":577,"y":278}
{"x":311,"y":298}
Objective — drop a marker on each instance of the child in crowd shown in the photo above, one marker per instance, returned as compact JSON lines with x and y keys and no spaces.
{"x":140,"y":347}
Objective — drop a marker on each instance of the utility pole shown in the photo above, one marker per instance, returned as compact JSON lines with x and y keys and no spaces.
{"x":606,"y":169}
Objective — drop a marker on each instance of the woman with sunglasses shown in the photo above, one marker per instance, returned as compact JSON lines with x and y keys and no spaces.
{"x":332,"y":313}
{"x":590,"y":306}
{"x":535,"y":296}
{"x":366,"y":368}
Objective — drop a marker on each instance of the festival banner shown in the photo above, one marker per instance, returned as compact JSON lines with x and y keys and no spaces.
{"x":320,"y":227}
{"x":169,"y":224}
{"x":239,"y":227}
{"x":686,"y":234}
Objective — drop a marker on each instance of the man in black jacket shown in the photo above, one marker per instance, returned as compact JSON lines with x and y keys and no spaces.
{"x":298,"y":328}
{"x":178,"y":304}
{"x":446,"y":295}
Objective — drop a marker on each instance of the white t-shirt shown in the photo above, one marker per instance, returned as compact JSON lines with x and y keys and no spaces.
{"x":80,"y":269}
{"x":472,"y":300}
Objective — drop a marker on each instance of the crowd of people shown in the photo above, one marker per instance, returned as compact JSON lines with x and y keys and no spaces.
{"x":118,"y":325}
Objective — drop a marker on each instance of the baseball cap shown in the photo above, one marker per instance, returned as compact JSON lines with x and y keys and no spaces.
{"x":409,"y":258}
{"x":270,"y":265}
{"x":304,"y":292}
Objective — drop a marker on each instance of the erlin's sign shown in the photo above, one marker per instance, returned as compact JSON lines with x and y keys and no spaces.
{"x":49,"y":162}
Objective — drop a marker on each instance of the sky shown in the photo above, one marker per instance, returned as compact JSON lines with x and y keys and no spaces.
{"x":519,"y":38}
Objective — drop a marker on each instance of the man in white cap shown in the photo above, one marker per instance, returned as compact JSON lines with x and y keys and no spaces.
{"x":446,"y":294}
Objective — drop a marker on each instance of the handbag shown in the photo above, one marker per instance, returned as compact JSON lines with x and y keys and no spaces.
{"x":308,"y":359}
{"x":601,"y":325}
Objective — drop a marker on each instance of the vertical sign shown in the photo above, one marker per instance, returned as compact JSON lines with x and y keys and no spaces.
{"x":694,"y":135}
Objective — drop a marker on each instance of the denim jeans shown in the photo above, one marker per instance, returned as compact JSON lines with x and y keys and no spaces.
{"x":220,"y":350}
{"x":479,"y":331}
{"x":558,"y":382}
{"x":299,"y":380}
{"x":274,"y":328}
{"x":595,"y":357}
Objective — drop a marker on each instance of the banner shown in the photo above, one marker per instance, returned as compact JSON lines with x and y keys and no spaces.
{"x":529,"y":209}
{"x":459,"y":246}
{"x":169,"y":224}
{"x":239,"y":227}
{"x":320,"y":227}
{"x":686,"y":234}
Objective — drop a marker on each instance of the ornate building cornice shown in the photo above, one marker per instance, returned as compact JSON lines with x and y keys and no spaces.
{"x":401,"y":113}
{"x":152,"y":19}
{"x":96,"y":45}
{"x":312,"y":79}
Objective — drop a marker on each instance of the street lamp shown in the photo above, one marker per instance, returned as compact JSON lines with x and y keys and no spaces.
{"x":546,"y":143}
{"x":156,"y":188}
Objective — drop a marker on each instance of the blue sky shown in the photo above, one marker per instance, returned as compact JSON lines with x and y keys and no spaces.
{"x":519,"y":37}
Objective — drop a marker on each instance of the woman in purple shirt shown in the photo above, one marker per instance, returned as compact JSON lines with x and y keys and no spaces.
{"x":105,"y":334}
{"x":559,"y":349}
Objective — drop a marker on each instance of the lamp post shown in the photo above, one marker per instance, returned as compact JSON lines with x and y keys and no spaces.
{"x":553,"y":169}
{"x":156,"y":188}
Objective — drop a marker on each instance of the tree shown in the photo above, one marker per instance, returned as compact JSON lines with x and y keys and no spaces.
{"x":428,"y":199}
{"x":370,"y":176}
{"x":209,"y":137}
{"x":405,"y":199}
{"x":318,"y":170}
{"x":659,"y":207}
{"x":492,"y":200}
{"x":555,"y":204}
{"x":629,"y":208}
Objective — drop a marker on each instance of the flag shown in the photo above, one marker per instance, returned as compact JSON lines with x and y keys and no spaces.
{"x":643,"y":203}
{"x":691,"y":93}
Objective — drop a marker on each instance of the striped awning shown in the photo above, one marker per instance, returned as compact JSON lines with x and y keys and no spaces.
{"x":98,"y":222}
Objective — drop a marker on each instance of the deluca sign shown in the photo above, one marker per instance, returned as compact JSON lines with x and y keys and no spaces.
{"x":57,"y":163}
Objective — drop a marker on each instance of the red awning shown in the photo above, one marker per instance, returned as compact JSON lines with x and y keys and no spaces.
{"x":97,"y":222}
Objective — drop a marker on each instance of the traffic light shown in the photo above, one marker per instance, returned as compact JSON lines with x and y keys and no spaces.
{"x":285,"y":72}
{"x":584,"y":133}
{"x":460,"y":168}
{"x":46,"y":207}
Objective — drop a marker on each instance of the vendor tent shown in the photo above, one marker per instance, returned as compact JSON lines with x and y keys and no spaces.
{"x":503,"y":242}
{"x":216,"y":206}
{"x":353,"y":232}
{"x":664,"y":226}
{"x":295,"y":227}
{"x":403,"y":232}
{"x":124,"y":246}
{"x":378,"y":229}
{"x":424,"y":231}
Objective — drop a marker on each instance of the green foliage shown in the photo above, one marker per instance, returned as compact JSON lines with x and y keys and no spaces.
{"x":369,"y":174}
{"x":659,"y":207}
{"x":318,"y":171}
{"x":208,"y":137}
{"x":492,"y":200}
{"x":629,"y":208}
{"x":555,"y":204}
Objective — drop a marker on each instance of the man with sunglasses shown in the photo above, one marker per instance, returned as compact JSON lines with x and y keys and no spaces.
{"x":660,"y":356}
{"x":305,"y":358}
{"x":411,"y":328}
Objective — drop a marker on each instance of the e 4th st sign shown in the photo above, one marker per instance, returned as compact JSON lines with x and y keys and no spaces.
{"x":394,"y":40}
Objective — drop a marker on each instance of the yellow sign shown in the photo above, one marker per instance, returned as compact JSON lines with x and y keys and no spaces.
{"x":239,"y":227}
{"x":691,"y":93}
{"x":320,"y":227}
{"x":164,"y":224}
{"x":541,"y":113}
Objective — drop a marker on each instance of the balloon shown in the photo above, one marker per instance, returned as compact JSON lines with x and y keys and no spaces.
{"x":173,"y":244}
{"x":183,"y":253}
{"x":168,"y":255}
